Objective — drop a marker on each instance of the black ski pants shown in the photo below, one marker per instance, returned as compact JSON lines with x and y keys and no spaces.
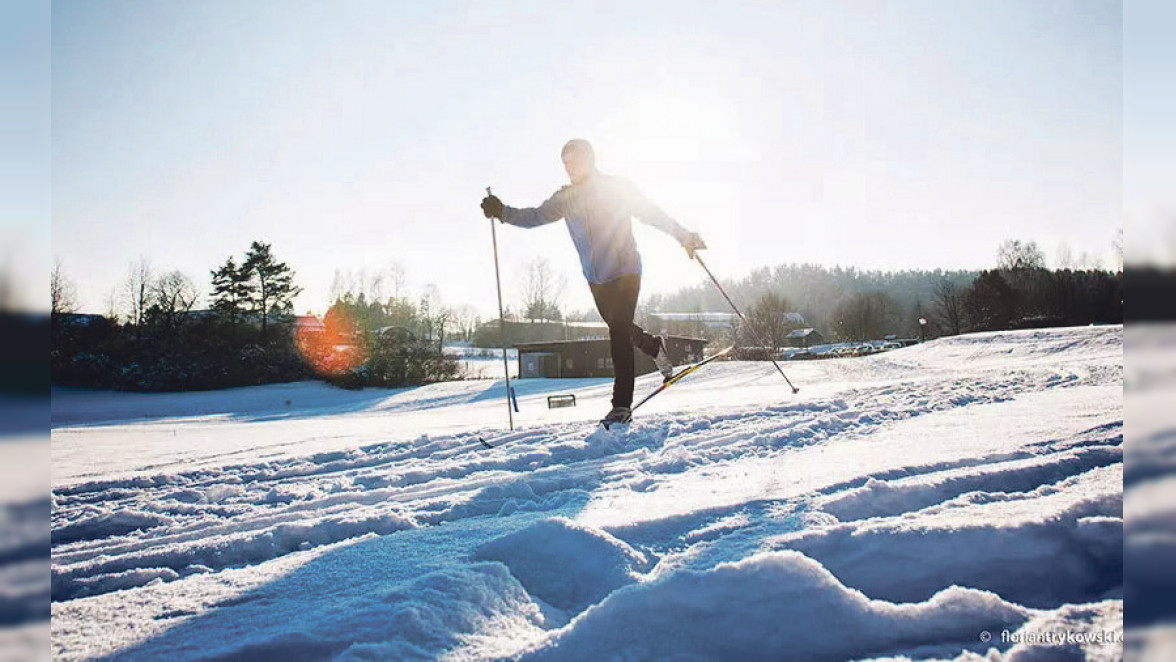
{"x":617,"y":302}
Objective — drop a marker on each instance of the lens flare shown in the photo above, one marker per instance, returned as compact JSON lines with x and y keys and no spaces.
{"x":331,"y":347}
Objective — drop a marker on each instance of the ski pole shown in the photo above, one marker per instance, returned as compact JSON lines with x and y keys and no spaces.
{"x":501,"y":320}
{"x":744,"y":319}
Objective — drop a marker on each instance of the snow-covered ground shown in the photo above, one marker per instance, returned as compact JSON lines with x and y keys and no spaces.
{"x":961,"y":499}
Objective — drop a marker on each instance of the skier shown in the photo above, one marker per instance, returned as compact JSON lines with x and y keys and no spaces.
{"x":598,"y":210}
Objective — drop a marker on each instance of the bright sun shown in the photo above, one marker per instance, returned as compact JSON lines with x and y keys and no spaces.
{"x":685,"y":150}
{"x":671,"y":127}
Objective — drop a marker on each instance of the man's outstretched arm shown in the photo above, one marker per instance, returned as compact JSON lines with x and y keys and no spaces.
{"x":526,"y":217}
{"x":651,"y":214}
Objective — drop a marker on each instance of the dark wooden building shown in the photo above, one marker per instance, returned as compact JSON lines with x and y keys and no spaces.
{"x":805,"y":338}
{"x":592,"y":358}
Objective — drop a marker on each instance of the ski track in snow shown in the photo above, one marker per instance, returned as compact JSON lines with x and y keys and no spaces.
{"x":914,"y":498}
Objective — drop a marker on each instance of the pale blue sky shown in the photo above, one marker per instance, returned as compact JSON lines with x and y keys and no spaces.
{"x":357,"y":134}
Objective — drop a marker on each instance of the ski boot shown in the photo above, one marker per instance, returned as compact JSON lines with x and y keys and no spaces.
{"x":619,"y":417}
{"x":664,"y":365}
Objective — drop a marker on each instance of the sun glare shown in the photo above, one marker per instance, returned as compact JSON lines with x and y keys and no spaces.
{"x":670,"y":127}
{"x":686,"y":152}
{"x":332,"y":349}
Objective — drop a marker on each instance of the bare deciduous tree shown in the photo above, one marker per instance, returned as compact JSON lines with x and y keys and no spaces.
{"x":136,"y":292}
{"x":397,"y":278}
{"x":866,"y":316}
{"x":172,"y":296}
{"x":949,"y":307}
{"x":378,"y":286}
{"x":374,"y":285}
{"x":467,"y":320}
{"x":1065,"y":257}
{"x":1021,"y":265}
{"x":1014,"y":255}
{"x":342,"y":284}
{"x":768,"y":317}
{"x":542,"y":291}
{"x":443,"y":318}
{"x":62,"y":293}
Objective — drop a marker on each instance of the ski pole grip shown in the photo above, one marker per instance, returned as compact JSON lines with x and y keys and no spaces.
{"x":488,"y":193}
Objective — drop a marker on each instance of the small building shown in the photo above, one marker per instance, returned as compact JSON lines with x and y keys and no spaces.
{"x":400,"y":334}
{"x":805,"y":338}
{"x":309,"y":323}
{"x":593,"y":358}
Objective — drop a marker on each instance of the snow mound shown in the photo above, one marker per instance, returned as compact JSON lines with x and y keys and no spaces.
{"x":771,"y":606}
{"x":880,"y":498}
{"x":104,"y":524}
{"x":444,"y":609}
{"x":118,"y":581}
{"x":1043,"y":548}
{"x":637,"y":438}
{"x":532,"y":495}
{"x":105,"y":574}
{"x":565,"y":564}
{"x":415,"y":621}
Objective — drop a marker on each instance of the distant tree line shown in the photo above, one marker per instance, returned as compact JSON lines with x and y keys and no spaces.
{"x":154,"y":338}
{"x":1022,"y":293}
{"x":842,"y":303}
{"x":847,"y":304}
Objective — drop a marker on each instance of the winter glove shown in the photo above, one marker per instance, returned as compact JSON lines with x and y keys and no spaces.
{"x":693,"y":243}
{"x":492,"y":207}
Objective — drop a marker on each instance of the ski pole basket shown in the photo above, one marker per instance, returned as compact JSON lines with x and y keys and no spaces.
{"x":564,"y":400}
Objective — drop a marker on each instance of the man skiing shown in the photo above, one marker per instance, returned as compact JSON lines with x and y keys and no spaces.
{"x":598,"y":209}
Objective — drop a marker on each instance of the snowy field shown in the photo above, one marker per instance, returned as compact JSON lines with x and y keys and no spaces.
{"x":958,"y":500}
